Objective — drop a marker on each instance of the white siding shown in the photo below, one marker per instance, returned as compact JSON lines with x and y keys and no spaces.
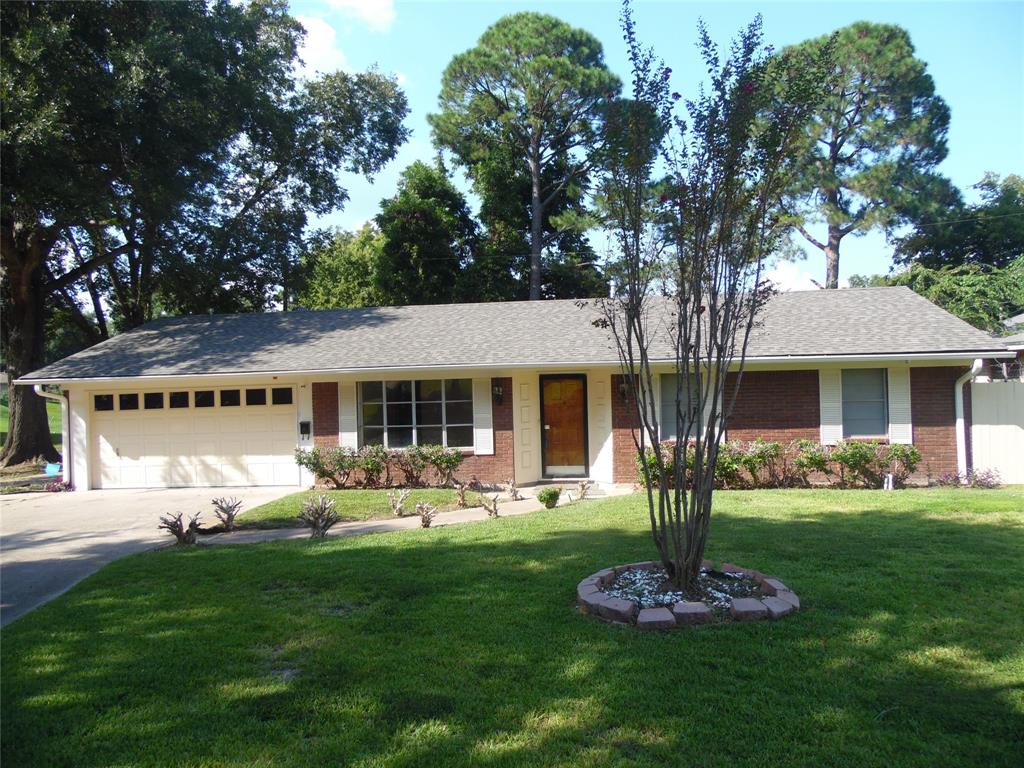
{"x":483,"y":421}
{"x":900,"y":426}
{"x":348,"y":423}
{"x":599,"y":413}
{"x":997,"y":429}
{"x":830,"y":392}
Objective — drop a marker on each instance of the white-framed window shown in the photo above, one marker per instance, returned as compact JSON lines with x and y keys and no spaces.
{"x":865,"y":403}
{"x":667,"y":422}
{"x":227,"y":398}
{"x":400,"y":413}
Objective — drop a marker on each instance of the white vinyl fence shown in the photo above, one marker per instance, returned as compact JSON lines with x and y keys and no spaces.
{"x":997,"y":428}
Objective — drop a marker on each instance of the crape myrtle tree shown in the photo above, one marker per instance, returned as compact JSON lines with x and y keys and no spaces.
{"x":727,"y":161}
{"x":161,"y":156}
{"x":871,"y":148}
{"x":533,"y":89}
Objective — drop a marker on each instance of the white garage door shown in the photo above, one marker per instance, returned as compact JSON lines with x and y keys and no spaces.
{"x":196,"y":437}
{"x":997,"y":428}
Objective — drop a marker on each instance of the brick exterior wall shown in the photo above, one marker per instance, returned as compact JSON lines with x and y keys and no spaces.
{"x":325,"y":414}
{"x":500,"y":467}
{"x":933,"y":412}
{"x":777,"y":406}
{"x":624,"y":421}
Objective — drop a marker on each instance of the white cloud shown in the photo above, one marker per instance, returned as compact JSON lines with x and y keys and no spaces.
{"x":376,"y":14}
{"x":401,"y":78}
{"x":787,"y":276}
{"x":320,"y":51}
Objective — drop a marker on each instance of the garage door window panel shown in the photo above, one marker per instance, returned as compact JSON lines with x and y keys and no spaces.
{"x":128,"y":402}
{"x":255,"y":397}
{"x":204,"y":398}
{"x":153,"y":401}
{"x":229,"y":398}
{"x":178,"y":399}
{"x":103,"y":402}
{"x":281,"y":396}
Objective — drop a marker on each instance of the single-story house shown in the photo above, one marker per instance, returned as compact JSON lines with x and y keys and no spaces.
{"x":530,"y":390}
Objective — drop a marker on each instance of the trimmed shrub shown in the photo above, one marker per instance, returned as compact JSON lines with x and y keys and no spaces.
{"x":373,"y":461}
{"x":549,"y":496}
{"x":858,"y":463}
{"x":226,"y":510}
{"x":728,"y":470}
{"x":902,"y":459}
{"x":334,"y":465}
{"x":183,"y":533}
{"x":412,"y":461}
{"x":810,"y":457}
{"x":426,"y":513}
{"x":445,"y":462}
{"x":319,"y":516}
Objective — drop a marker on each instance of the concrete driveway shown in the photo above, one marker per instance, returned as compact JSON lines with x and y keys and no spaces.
{"x":51,"y":541}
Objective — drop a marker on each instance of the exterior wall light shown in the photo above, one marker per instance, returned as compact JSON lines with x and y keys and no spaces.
{"x":499,"y":393}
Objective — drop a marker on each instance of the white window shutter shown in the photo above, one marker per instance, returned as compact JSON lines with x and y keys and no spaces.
{"x":348,"y":423}
{"x":483,"y":421}
{"x":901,"y":429}
{"x":830,"y":394}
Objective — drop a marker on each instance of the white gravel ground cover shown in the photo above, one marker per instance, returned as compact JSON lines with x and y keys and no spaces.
{"x":645,"y":588}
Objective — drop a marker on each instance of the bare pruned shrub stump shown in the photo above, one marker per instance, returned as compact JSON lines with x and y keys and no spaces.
{"x":773,"y":601}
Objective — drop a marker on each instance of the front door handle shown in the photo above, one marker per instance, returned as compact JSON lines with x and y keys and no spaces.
{"x":547,"y":426}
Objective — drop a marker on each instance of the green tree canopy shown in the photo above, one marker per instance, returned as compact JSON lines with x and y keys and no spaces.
{"x":429,"y":237}
{"x":340,"y":271}
{"x":529,"y":98}
{"x":948,"y":232}
{"x":873,"y":144}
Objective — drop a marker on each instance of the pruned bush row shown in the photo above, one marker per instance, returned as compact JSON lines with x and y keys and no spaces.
{"x":802,"y":463}
{"x":374,"y":466}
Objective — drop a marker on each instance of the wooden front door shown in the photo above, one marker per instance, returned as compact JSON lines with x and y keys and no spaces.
{"x":563,"y":409}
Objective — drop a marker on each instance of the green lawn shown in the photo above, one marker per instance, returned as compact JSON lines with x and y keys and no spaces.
{"x":352,"y":504}
{"x":461,"y":646}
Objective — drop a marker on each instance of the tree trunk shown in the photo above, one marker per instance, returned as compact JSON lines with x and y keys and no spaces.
{"x":23,"y":336}
{"x":832,"y":257}
{"x":536,"y":225}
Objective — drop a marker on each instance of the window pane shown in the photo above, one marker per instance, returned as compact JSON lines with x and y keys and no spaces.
{"x":399,"y":391}
{"x":458,"y":389}
{"x":429,"y":435}
{"x":204,"y":398}
{"x":429,"y":390}
{"x":460,"y":437}
{"x":459,"y":413}
{"x":178,"y":399}
{"x":153,"y":400}
{"x":255,"y":397}
{"x":371,"y":392}
{"x":865,"y":412}
{"x":103,"y":402}
{"x":373,"y":436}
{"x":667,"y":414}
{"x":400,"y":414}
{"x":428,"y":413}
{"x":128,"y":402}
{"x":399,"y":437}
{"x":281,"y":396}
{"x":373,"y":414}
{"x":230,"y":397}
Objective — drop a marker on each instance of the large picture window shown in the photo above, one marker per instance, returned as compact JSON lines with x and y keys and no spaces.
{"x":865,"y":405}
{"x":667,"y":413}
{"x":397,"y":414}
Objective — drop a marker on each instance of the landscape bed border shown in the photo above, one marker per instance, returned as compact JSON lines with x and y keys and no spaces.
{"x":775,"y":600}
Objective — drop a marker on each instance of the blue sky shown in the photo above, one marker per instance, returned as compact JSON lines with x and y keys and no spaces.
{"x":974,"y":51}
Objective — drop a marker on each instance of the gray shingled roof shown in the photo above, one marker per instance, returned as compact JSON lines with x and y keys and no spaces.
{"x":880,"y":321}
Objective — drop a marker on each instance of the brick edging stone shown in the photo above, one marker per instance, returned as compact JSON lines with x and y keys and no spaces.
{"x":775,"y":600}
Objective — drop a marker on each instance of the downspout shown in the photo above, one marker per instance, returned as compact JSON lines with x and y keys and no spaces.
{"x":961,"y":424}
{"x":65,"y":428}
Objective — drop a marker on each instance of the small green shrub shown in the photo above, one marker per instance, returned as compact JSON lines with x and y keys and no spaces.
{"x":761,"y":460}
{"x":445,"y":461}
{"x":728,"y":470}
{"x":334,"y":465}
{"x":859,"y":463}
{"x":810,"y":457}
{"x":412,"y":462}
{"x":373,"y":461}
{"x":549,"y":496}
{"x":902,"y":459}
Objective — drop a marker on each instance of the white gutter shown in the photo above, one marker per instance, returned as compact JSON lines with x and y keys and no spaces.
{"x":961,"y":424}
{"x":567,"y":365}
{"x":65,"y":429}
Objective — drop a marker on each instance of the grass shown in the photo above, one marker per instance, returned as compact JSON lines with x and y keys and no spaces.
{"x":30,"y":468}
{"x":350,"y":504}
{"x":461,"y":646}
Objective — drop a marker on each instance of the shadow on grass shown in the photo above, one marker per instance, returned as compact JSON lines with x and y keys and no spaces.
{"x":462,"y":647}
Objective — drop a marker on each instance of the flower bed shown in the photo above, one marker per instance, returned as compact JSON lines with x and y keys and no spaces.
{"x":634,"y":594}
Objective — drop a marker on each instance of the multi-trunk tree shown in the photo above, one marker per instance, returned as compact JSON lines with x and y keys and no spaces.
{"x":720,"y":217}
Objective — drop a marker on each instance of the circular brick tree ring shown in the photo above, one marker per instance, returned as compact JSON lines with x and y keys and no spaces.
{"x":774,"y":600}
